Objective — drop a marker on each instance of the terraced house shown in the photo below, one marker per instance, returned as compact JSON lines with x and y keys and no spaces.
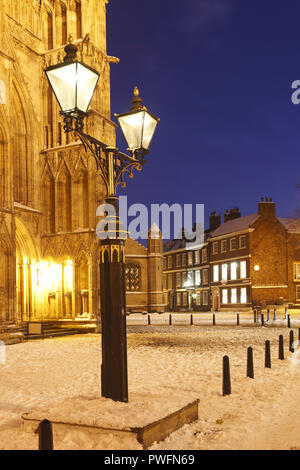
{"x":251,"y":261}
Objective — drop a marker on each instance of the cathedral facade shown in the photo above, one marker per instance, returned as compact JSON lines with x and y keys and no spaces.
{"x":49,"y":187}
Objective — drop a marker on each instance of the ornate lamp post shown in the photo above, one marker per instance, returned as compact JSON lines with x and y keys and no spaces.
{"x":73,"y":84}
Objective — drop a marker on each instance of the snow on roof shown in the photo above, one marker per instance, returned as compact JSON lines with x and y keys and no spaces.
{"x":235,"y":225}
{"x":290,"y":224}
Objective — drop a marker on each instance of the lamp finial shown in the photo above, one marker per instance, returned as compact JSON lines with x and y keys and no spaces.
{"x":137,"y":102}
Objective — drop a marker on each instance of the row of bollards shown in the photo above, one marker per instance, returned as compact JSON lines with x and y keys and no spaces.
{"x":250,"y":362}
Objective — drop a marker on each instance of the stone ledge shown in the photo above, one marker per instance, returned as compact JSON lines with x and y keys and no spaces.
{"x":113,"y":425}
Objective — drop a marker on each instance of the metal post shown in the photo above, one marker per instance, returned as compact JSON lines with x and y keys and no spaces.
{"x":45,"y":435}
{"x":226,"y":376}
{"x":289,"y":321}
{"x":281,"y":348}
{"x":254,"y":313}
{"x":192,"y":320}
{"x":291,"y":345}
{"x":262,"y":320}
{"x":250,"y":368}
{"x":238,"y":319}
{"x":214,"y":319}
{"x":267,"y":355}
{"x":114,"y":381}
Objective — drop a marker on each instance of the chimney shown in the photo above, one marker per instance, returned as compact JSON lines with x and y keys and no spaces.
{"x":214,"y":221}
{"x":233,"y":214}
{"x":267,"y":207}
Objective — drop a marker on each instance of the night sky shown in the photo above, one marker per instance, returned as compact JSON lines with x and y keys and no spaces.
{"x":218,"y":73}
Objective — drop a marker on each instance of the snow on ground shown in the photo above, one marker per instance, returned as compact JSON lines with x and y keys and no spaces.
{"x":261,"y":413}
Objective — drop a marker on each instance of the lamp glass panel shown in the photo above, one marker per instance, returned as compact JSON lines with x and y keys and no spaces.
{"x":149,"y":128}
{"x":132,"y":128}
{"x":86,"y":84}
{"x":63,"y":82}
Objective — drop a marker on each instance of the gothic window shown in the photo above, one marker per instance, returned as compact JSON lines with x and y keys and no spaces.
{"x":49,"y":202}
{"x":133,"y":278}
{"x":49,"y":30}
{"x":63,"y":206}
{"x":78,"y":20}
{"x":2,"y":168}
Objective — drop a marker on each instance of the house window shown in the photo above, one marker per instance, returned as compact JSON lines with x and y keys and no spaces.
{"x":205,"y":276}
{"x":204,"y":255}
{"x":197,"y":278}
{"x":170,"y":281}
{"x":164,"y":282}
{"x":178,"y":279}
{"x":178,"y":261}
{"x":297,"y":271}
{"x":216,"y":273}
{"x":225,"y":296}
{"x":184,"y":298}
{"x":233,"y":244}
{"x":184,"y":279}
{"x":298,"y":292}
{"x":197,"y":257}
{"x":178,"y":298}
{"x":190,"y":258}
{"x":233,"y":296}
{"x":243,"y":294}
{"x":243,"y":242}
{"x":215,"y":248}
{"x":224,"y":246}
{"x":243,"y":270}
{"x":205,"y":297}
{"x":133,"y":278}
{"x":183,"y":259}
{"x":164,"y":263}
{"x":170,"y":262}
{"x":190,"y":278}
{"x":198,"y":298}
{"x":233,"y":271}
{"x":224,"y":272}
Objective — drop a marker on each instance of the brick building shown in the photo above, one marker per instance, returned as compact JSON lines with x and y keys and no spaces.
{"x":251,"y":260}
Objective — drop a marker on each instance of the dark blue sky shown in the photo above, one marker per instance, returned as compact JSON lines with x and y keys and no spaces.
{"x":218,"y":73}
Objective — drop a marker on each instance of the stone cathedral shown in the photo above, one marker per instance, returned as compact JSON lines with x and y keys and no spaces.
{"x":49,"y":188}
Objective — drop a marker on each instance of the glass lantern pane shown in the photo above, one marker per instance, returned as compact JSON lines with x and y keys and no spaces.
{"x":63,"y":82}
{"x":132,"y":128}
{"x":86,"y":84}
{"x":149,"y":128}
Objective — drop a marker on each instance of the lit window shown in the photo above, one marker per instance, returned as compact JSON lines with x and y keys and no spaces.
{"x":198,"y":298}
{"x":178,"y":279}
{"x":298,"y":292}
{"x":205,"y":297}
{"x":233,"y":244}
{"x":170,"y":281}
{"x":190,"y":279}
{"x":164,"y":263}
{"x":204,"y":255}
{"x":242,"y":242}
{"x":243,"y":270}
{"x":225,"y":296}
{"x":183,"y":279}
{"x":178,"y":298}
{"x":184,"y":298}
{"x":297,"y":271}
{"x":243,"y":295}
{"x":233,"y":271}
{"x":190,"y":257}
{"x":197,"y":278}
{"x":224,"y":246}
{"x":233,"y":296}
{"x":197,"y":257}
{"x":184,"y":259}
{"x":170,"y":262}
{"x":215,"y":248}
{"x":224,"y":272}
{"x":133,"y":278}
{"x":216,"y":273}
{"x":178,"y":260}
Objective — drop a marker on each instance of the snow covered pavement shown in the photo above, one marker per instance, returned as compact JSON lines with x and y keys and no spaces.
{"x":261,"y":413}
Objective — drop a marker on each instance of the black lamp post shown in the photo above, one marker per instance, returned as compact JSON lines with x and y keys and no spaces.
{"x":73,"y":84}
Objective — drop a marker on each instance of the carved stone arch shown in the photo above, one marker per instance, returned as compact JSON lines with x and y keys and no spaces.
{"x":80,"y":196}
{"x":83,"y":283}
{"x":21,"y":146}
{"x":63,"y":199}
{"x":5,"y":287}
{"x":4,"y":173}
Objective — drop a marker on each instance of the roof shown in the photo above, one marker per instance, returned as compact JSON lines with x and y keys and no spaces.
{"x":235,"y":225}
{"x":291,"y":225}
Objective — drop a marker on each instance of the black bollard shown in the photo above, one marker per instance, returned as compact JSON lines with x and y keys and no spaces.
{"x":149,"y":320}
{"x":254,"y":313}
{"x":291,"y":346}
{"x":238,"y":319}
{"x":274,"y":314}
{"x":299,"y":337}
{"x":262,"y":320}
{"x":170,"y":319}
{"x":267,"y":355}
{"x":214,"y":319}
{"x":226,"y":376}
{"x":192,"y":320}
{"x":268,"y":315}
{"x":45,"y":435}
{"x":289,"y":321}
{"x":281,"y":348}
{"x":250,"y":369}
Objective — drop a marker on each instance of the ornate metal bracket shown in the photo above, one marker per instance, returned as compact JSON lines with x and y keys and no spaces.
{"x":112,"y":165}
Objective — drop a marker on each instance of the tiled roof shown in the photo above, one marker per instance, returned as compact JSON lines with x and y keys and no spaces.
{"x":291,"y":225}
{"x":235,"y":225}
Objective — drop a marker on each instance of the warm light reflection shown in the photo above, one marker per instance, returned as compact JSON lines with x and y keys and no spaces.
{"x":68,"y":275}
{"x":48,"y":275}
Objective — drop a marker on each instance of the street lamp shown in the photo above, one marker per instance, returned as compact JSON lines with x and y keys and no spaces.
{"x":73,"y":84}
